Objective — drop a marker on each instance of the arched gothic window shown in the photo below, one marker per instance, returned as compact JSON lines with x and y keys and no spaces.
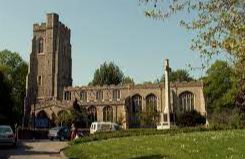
{"x":41,"y":120}
{"x":186,"y":101}
{"x":136,"y":104}
{"x":136,"y":110}
{"x":92,"y":114}
{"x":107,"y":113}
{"x":42,"y":114}
{"x":151,"y":102}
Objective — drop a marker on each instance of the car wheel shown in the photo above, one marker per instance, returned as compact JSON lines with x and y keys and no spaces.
{"x":51,"y":139}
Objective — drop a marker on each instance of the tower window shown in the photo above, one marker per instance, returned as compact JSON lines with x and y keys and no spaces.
{"x":40,"y":45}
{"x":39,"y":80}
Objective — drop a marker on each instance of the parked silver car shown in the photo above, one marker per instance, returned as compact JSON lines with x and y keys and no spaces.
{"x":60,"y":133}
{"x":7,"y":136}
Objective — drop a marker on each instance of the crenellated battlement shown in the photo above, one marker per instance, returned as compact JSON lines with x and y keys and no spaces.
{"x":136,"y":86}
{"x":52,"y":20}
{"x":39,"y":27}
{"x":64,"y":29}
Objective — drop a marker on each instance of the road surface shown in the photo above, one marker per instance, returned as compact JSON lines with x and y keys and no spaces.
{"x":39,"y":149}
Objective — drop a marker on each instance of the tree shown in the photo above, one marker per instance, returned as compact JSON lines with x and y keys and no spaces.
{"x":6,"y":102}
{"x":220,"y":25}
{"x":127,"y":80}
{"x":19,"y":89}
{"x":63,"y":118}
{"x":220,"y":86}
{"x":240,"y":97}
{"x":147,"y":83}
{"x":76,"y":106}
{"x":108,"y":74}
{"x":78,"y":116}
{"x":178,"y":76}
{"x":11,"y":60}
{"x":224,"y":96}
{"x":15,"y":70}
{"x":149,"y":117}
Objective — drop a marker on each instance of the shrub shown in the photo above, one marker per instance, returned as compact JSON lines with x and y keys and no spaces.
{"x":149,"y":118}
{"x":134,"y":132}
{"x":190,"y":119}
{"x":227,"y":118}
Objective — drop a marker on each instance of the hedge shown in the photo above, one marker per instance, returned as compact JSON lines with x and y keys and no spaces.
{"x":134,"y":132}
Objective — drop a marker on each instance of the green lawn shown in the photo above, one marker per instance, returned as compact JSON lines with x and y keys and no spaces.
{"x":206,"y":145}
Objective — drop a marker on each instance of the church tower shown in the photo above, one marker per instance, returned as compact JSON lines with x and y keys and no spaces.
{"x":50,"y":66}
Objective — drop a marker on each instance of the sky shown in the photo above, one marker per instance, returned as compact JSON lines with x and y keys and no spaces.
{"x":108,"y":30}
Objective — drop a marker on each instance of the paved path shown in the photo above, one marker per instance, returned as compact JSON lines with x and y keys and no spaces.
{"x":41,"y":149}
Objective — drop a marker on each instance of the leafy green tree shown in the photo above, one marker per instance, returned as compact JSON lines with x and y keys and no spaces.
{"x":147,"y":82}
{"x":108,"y":74}
{"x":240,"y":97}
{"x":178,"y":76}
{"x":220,"y":25}
{"x":19,"y":89}
{"x":224,"y":96}
{"x":79,"y":116}
{"x":6,"y":102}
{"x":10,"y":60}
{"x":149,"y":117}
{"x":63,"y":118}
{"x":220,"y":86}
{"x":15,"y":70}
{"x":127,"y":80}
{"x":240,"y":105}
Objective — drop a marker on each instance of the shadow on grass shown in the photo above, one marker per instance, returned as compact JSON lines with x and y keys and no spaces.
{"x":157,"y":156}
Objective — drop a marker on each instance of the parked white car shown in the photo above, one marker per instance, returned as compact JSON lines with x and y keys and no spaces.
{"x":103,"y":127}
{"x":7,"y":136}
{"x":163,"y":126}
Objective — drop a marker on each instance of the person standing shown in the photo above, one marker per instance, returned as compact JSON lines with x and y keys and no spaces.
{"x":73,"y":131}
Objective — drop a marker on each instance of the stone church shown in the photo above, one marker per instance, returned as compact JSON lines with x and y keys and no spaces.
{"x":49,"y":86}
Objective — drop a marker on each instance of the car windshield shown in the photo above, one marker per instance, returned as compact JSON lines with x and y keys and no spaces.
{"x":4,"y":130}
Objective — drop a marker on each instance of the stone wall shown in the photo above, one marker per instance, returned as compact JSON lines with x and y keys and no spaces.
{"x":50,"y":62}
{"x":123,"y":107}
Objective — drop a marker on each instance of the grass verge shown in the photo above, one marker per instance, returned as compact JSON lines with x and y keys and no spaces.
{"x":206,"y":144}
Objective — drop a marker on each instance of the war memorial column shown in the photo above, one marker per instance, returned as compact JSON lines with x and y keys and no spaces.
{"x":165,"y":115}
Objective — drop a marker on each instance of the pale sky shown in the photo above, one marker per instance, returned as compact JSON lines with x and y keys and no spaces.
{"x":103,"y":30}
